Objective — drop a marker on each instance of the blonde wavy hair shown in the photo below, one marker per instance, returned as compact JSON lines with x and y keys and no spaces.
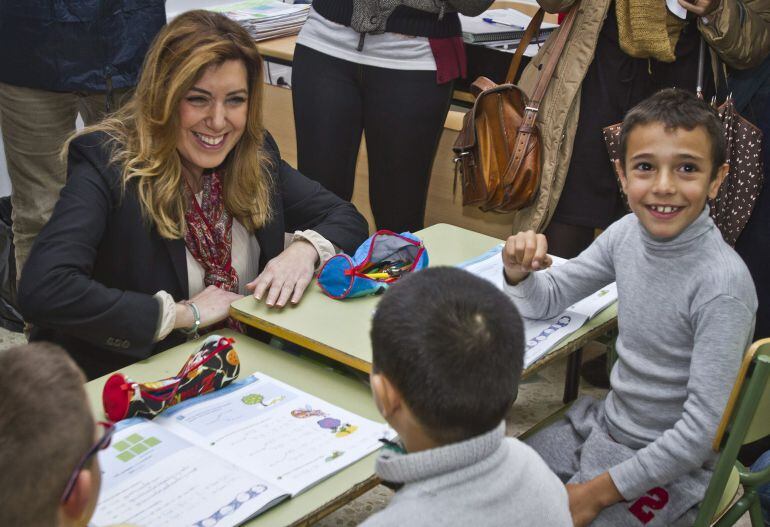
{"x":144,"y":131}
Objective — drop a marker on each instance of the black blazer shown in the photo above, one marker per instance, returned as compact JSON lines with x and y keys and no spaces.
{"x":89,"y":279}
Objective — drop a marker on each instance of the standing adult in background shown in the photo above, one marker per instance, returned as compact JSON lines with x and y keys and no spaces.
{"x":618,"y":53}
{"x":751,"y":91}
{"x":60,"y":58}
{"x":387,"y":69}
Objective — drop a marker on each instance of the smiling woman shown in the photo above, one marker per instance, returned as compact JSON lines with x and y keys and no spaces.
{"x":177,"y":205}
{"x":212,"y":117}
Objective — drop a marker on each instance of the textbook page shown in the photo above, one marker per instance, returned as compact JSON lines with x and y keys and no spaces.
{"x":541,"y":336}
{"x":151,"y":477}
{"x":286,"y":436}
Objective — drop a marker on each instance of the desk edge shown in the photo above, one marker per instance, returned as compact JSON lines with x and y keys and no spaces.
{"x":301,"y":340}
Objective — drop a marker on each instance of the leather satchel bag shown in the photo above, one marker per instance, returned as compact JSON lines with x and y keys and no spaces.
{"x":498,"y":150}
{"x":735,"y":201}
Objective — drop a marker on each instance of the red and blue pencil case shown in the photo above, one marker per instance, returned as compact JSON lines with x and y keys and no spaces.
{"x":378,"y":262}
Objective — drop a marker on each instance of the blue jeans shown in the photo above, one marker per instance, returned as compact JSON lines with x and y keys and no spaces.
{"x":764,"y":490}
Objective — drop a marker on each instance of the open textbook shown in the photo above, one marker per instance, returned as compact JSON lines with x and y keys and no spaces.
{"x":222,"y":458}
{"x":543,"y":335}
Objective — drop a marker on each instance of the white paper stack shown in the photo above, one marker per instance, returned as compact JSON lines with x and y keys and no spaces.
{"x":265,"y":19}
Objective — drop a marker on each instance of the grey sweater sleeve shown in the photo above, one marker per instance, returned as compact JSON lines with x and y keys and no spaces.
{"x":544,"y":295}
{"x":722,"y":329}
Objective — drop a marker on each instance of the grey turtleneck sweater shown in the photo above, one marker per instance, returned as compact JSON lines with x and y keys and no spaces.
{"x":489,"y":480}
{"x":686,"y":311}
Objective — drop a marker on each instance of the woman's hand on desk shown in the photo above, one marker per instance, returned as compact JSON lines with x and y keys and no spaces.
{"x":286,"y":276}
{"x":523,"y":253}
{"x":213,"y":305}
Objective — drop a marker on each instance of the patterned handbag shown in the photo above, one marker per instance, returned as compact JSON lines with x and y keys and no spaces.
{"x":735,"y":201}
{"x":213,"y":366}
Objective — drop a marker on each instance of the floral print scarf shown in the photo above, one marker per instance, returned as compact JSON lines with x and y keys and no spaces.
{"x":209,"y":233}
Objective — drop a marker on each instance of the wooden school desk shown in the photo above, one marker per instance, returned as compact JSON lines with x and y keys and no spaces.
{"x":339,"y":329}
{"x":334,"y":387}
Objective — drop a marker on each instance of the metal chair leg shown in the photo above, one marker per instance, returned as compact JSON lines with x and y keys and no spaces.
{"x":572,"y":379}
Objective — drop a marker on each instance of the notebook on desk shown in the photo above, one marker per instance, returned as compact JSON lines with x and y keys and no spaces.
{"x":541,"y":336}
{"x":499,"y":25}
{"x":225,"y":457}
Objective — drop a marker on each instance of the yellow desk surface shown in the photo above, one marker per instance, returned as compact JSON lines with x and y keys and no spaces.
{"x":302,"y":373}
{"x":339,"y":329}
{"x":278,"y":48}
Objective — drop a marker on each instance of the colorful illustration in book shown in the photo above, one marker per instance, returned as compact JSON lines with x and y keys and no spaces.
{"x":562,"y":322}
{"x":134,"y":445}
{"x":336,"y":427}
{"x":257,"y":398}
{"x":231,"y":507}
{"x":307,"y":411}
{"x":334,"y":455}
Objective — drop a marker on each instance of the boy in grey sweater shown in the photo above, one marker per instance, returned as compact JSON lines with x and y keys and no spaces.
{"x":447,"y":356}
{"x":686,"y":306}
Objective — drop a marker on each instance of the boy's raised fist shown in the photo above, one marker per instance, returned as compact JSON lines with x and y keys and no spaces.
{"x":523,"y":253}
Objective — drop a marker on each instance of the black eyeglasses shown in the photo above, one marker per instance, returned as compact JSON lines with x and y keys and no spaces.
{"x":101,"y":444}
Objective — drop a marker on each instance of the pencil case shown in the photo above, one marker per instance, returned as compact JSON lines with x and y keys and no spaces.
{"x":378,"y":262}
{"x":213,"y":366}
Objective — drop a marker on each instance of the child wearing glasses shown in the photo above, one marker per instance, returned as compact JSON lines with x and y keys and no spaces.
{"x":49,"y":474}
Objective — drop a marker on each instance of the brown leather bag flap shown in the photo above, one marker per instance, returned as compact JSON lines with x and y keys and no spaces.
{"x":466,"y":139}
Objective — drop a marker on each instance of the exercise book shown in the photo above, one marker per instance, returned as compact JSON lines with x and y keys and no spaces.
{"x":225,"y":457}
{"x":542,"y":336}
{"x":266,"y":19}
{"x":500,"y":25}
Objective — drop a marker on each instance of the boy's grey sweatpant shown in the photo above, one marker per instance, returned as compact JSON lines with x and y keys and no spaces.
{"x":578,"y":448}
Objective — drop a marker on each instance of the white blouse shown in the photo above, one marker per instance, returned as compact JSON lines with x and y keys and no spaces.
{"x":245,"y":254}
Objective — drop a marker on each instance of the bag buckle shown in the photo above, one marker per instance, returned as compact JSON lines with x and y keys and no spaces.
{"x":460,"y":156}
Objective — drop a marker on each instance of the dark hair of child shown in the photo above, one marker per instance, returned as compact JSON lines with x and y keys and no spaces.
{"x":46,"y":427}
{"x":453,"y":345}
{"x":676,"y":108}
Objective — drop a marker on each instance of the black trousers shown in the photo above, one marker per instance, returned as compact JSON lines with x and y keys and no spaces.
{"x":402,"y":114}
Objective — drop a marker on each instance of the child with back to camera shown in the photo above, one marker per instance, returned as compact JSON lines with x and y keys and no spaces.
{"x":686,"y":308}
{"x":447,"y":357}
{"x":49,"y":473}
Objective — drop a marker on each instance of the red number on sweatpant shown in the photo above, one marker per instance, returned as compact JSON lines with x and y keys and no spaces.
{"x":655,"y":500}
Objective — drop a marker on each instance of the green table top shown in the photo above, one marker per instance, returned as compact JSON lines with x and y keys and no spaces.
{"x":340,"y":328}
{"x":311,"y":377}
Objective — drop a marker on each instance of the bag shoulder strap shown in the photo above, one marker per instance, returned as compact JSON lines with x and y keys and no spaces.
{"x":556,"y":50}
{"x":532,"y":29}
